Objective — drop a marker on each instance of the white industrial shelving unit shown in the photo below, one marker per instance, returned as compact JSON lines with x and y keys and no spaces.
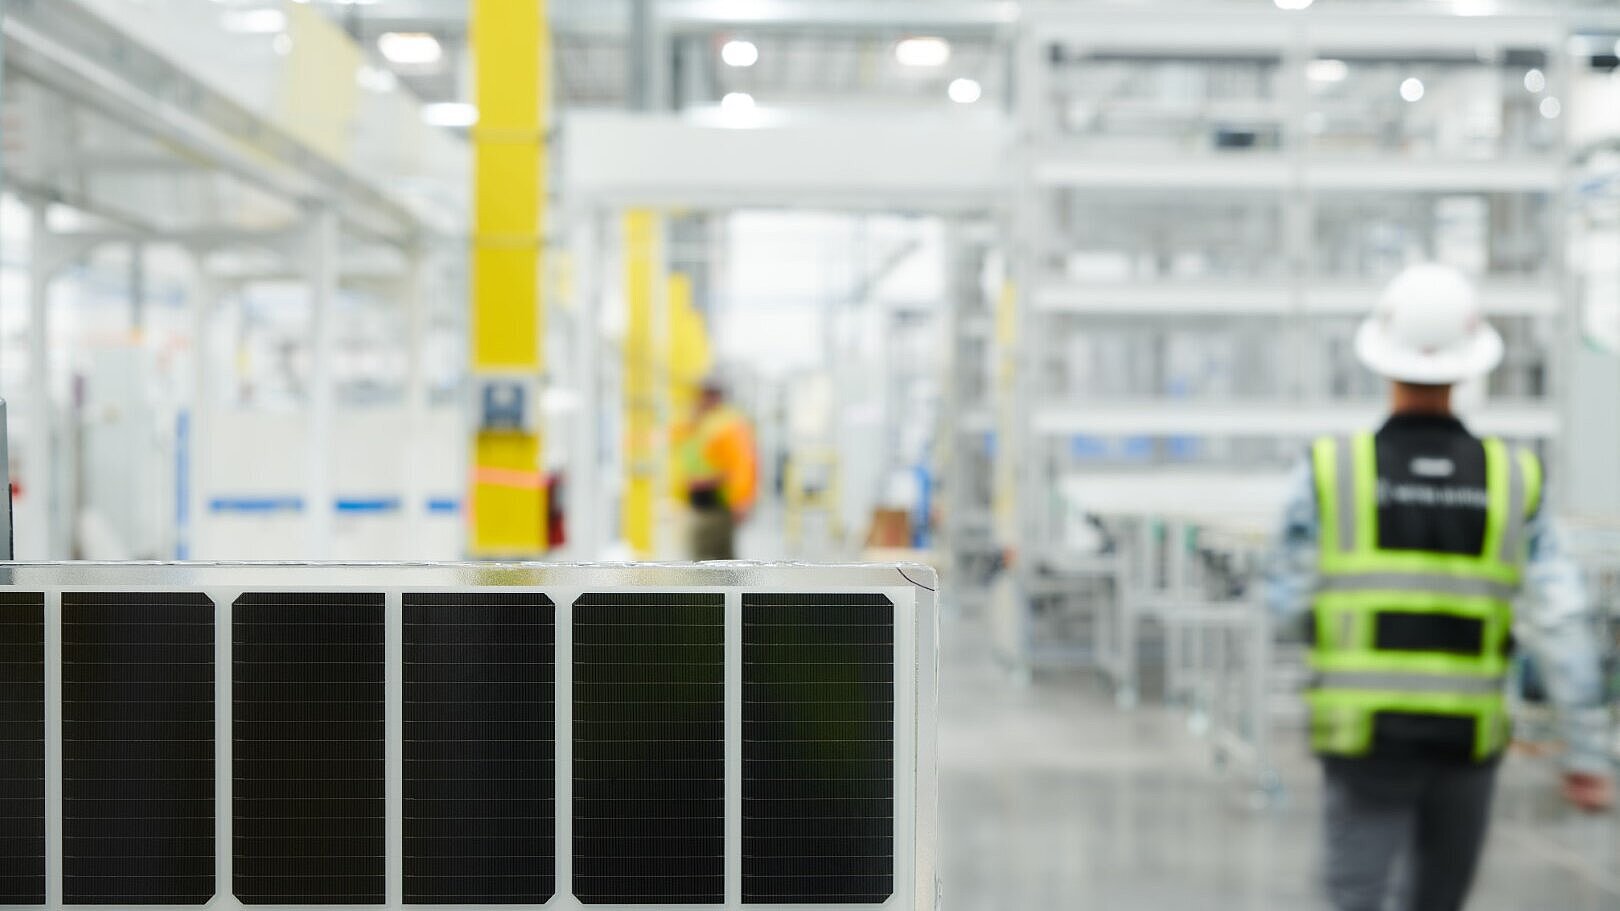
{"x":1158,"y":348}
{"x":967,"y":427}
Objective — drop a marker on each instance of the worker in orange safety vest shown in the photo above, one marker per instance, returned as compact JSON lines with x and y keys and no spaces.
{"x":720,"y":467}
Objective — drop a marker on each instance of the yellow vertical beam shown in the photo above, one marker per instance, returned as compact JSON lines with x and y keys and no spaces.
{"x":511,"y":49}
{"x":641,"y":418}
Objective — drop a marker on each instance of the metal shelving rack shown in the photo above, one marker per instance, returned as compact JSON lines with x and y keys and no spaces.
{"x":967,"y":438}
{"x":1244,"y":130}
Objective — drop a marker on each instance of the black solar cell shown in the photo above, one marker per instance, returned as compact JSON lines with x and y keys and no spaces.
{"x":818,"y":749}
{"x":649,"y":748}
{"x":22,"y":748}
{"x":137,"y":748}
{"x":479,"y":750}
{"x":309,"y":811}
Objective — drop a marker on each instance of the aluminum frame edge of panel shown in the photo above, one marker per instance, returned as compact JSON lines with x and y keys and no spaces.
{"x":251,"y":575}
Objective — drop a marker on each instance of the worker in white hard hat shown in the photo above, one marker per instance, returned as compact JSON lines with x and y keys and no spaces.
{"x":1409,"y":547}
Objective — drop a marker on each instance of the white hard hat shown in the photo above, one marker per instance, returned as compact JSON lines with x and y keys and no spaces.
{"x":1428,"y":329}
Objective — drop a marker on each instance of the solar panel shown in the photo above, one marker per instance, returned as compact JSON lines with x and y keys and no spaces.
{"x":137,"y":748}
{"x":479,"y":760}
{"x":649,"y":748}
{"x":22,"y":751}
{"x":818,"y":749}
{"x":394,"y":734}
{"x":308,"y":743}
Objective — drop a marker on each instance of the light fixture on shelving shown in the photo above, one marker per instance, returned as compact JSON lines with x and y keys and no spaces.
{"x":1327,"y":70}
{"x":923,"y":52}
{"x":739,"y":53}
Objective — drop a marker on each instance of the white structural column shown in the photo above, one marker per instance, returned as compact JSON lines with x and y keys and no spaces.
{"x":414,"y":295}
{"x":39,"y":457}
{"x":322,"y":253}
{"x":586,"y":506}
{"x":192,"y":528}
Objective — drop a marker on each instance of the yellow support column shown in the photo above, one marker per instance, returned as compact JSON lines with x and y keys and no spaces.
{"x":641,"y":417}
{"x":511,"y":49}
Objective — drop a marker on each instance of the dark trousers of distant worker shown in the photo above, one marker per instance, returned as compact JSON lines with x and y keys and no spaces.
{"x":714,"y":533}
{"x":1411,"y":830}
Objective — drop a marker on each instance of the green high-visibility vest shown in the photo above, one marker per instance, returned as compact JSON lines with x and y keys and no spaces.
{"x":1359,"y":676}
{"x":695,"y":462}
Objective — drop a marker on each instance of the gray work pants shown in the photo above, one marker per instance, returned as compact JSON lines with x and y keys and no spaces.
{"x":1405,"y":835}
{"x":714,"y":534}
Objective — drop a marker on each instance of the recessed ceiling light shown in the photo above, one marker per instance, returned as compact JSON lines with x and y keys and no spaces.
{"x":966,"y":91}
{"x":410,"y":48}
{"x":739,"y":53}
{"x":737,"y":103}
{"x":254,"y":21}
{"x":449,"y":114}
{"x":1551,"y":107}
{"x":1293,"y":4}
{"x":1535,"y":82}
{"x":923,"y":52}
{"x":1412,"y":89}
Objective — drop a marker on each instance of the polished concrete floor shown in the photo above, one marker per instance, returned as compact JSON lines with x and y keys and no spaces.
{"x":1054,"y":799}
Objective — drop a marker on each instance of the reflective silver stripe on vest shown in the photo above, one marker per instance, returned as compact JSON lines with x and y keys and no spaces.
{"x":1344,"y":481}
{"x":1518,"y":504}
{"x":1427,"y":583}
{"x":1386,"y":682}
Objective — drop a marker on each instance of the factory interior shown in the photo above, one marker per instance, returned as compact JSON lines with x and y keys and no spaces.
{"x":1051,"y":297}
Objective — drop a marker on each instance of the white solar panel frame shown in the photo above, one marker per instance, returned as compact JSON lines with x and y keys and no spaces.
{"x":911,"y":588}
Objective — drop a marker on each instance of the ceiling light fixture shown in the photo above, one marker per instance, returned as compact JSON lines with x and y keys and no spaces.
{"x":1327,"y":70}
{"x":410,"y":48}
{"x":737,"y":103}
{"x":923,"y":52}
{"x":739,"y":53}
{"x":965,"y":91}
{"x":254,"y":21}
{"x":1412,"y":90}
{"x":451,"y":114}
{"x":376,"y":79}
{"x":1551,"y":107}
{"x":1293,"y":4}
{"x":1535,"y":82}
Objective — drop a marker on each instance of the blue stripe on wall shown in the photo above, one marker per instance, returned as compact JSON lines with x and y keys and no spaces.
{"x":256,"y":504}
{"x":349,"y":505}
{"x":372,"y":505}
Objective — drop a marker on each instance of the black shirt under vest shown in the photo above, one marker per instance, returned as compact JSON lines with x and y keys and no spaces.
{"x":1432,"y":493}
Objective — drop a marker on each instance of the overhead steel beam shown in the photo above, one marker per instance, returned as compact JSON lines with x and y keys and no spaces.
{"x":610,"y":18}
{"x":74,"y":53}
{"x":571,"y":18}
{"x":907,"y":15}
